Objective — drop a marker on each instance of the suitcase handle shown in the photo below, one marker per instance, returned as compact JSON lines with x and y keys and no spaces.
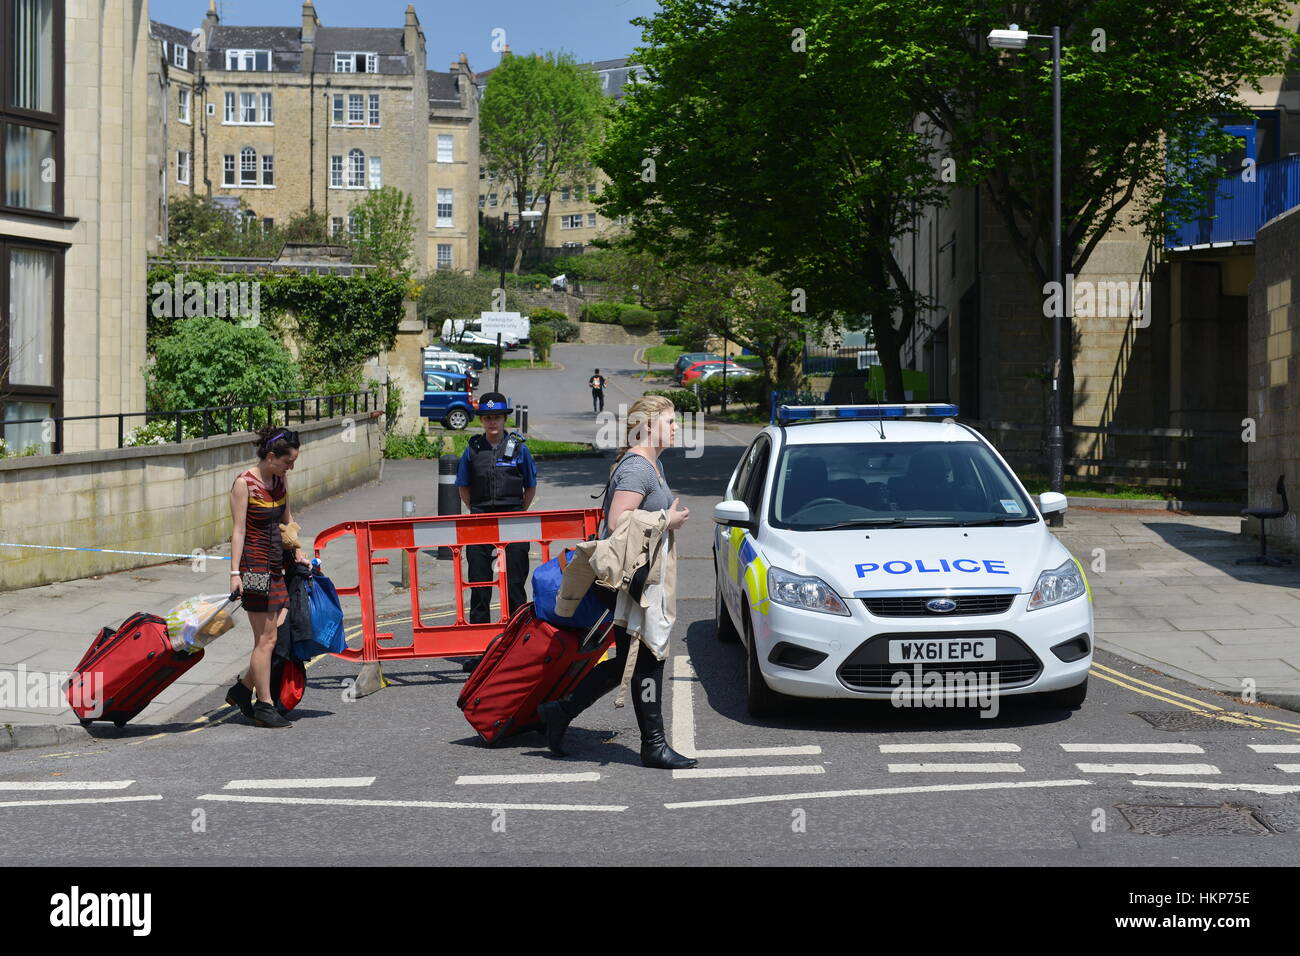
{"x":587,"y":641}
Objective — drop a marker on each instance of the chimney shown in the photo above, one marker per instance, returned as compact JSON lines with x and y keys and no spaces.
{"x":211,"y":20}
{"x":310,"y":23}
{"x":413,"y":37}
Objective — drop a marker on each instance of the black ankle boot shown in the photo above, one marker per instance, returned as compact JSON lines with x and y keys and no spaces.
{"x":557,"y":715}
{"x":240,"y":696}
{"x":655,"y":751}
{"x":265,"y":715}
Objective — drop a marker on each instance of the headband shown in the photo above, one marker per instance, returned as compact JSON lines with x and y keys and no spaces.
{"x":271,"y":441}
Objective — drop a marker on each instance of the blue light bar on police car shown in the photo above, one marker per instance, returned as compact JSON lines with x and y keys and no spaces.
{"x":786,"y":414}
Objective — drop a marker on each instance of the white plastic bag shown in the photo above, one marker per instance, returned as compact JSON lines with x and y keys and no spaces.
{"x":196,"y":622}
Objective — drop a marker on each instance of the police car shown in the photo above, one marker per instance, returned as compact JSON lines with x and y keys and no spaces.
{"x":862,"y":550}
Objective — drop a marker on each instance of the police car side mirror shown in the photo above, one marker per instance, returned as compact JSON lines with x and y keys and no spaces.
{"x":1050,"y":502}
{"x":734,"y":513}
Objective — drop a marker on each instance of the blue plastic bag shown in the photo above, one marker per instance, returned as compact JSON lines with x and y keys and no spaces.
{"x":546,"y":588}
{"x":326,"y":620}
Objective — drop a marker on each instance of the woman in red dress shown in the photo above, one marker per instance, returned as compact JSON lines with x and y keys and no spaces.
{"x":259,"y":504}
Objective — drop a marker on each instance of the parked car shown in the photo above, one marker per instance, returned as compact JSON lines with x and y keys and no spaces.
{"x":690,"y":358}
{"x":698,"y":369}
{"x":478,"y":338}
{"x":448,"y":398}
{"x":733,"y":372}
{"x":443,"y":353}
{"x":452,"y":365}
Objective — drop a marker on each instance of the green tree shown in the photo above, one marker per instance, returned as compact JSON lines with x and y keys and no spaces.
{"x":539,"y":120}
{"x":455,"y":295}
{"x":208,"y":362}
{"x":385,"y":230}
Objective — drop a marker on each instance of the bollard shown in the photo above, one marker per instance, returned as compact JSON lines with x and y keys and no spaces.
{"x":408,"y":511}
{"x":523,"y":419}
{"x":448,"y":494}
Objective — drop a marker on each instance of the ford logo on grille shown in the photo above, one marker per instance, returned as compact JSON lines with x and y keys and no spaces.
{"x":941,"y":605}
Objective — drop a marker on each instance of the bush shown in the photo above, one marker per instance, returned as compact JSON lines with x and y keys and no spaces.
{"x":542,"y":340}
{"x":683,"y":399}
{"x":160,"y":431}
{"x":416,"y":445}
{"x":209,"y":362}
{"x":566,"y":331}
{"x":635,"y":317}
{"x":606,"y":312}
{"x":547,"y":316}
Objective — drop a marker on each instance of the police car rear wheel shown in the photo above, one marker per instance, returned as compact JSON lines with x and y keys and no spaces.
{"x":457,"y":420}
{"x":761,"y":699}
{"x":1070,"y":698}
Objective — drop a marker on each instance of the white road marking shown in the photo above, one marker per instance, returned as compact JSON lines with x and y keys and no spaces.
{"x":1132,"y":748}
{"x":60,"y":803}
{"x":881,"y":791}
{"x":956,"y":768}
{"x":1288,"y":767}
{"x":425,"y":804}
{"x":65,"y":784}
{"x":1178,"y":769}
{"x":746,"y":771}
{"x":299,"y":783}
{"x":1275,"y":748}
{"x":949,"y":748}
{"x":683,"y":730}
{"x":528,"y":778}
{"x":1277,"y":788}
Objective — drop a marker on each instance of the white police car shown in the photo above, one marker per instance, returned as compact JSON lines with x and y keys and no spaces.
{"x":866,"y":552}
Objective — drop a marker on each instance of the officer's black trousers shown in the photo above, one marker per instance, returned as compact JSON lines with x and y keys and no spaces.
{"x":480,"y":569}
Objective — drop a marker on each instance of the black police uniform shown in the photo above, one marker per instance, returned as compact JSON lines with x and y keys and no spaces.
{"x":496,"y":487}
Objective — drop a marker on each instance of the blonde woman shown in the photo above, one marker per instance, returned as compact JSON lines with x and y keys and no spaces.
{"x":637,"y":482}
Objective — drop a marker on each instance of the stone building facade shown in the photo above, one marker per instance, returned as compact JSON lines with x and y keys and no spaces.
{"x":294,"y":119}
{"x":453,"y":161}
{"x":73,"y":97}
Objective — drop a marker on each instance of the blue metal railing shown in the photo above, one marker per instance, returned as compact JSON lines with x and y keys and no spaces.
{"x":1240,"y":208}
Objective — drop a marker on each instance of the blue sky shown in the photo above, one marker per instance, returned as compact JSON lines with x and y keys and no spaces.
{"x":589,"y":29}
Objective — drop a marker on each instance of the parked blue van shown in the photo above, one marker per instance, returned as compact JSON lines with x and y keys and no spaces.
{"x":448,"y":398}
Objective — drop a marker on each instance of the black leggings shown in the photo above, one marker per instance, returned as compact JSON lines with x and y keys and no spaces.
{"x":606,"y":675}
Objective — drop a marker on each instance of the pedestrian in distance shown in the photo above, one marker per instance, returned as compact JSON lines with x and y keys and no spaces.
{"x":259,"y":503}
{"x":637,"y":482}
{"x":597,"y":383}
{"x":496,"y":473}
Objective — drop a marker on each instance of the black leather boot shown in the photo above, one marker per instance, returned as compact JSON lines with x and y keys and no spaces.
{"x":557,"y":715}
{"x":655,"y":751}
{"x":265,"y":715}
{"x":240,"y":696}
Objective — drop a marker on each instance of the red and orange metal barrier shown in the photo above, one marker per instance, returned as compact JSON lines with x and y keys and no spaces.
{"x":456,"y":532}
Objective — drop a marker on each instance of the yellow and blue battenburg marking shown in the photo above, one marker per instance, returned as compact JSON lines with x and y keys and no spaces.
{"x":741,"y":553}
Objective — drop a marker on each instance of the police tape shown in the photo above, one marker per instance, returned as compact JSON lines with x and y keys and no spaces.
{"x":153,"y":554}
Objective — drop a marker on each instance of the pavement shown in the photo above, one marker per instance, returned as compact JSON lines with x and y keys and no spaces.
{"x":1167,"y":593}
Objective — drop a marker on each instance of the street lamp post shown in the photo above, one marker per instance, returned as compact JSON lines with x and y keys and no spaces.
{"x":1016,"y":39}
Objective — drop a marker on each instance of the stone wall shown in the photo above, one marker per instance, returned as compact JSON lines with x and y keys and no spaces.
{"x":600,"y":333}
{"x":1273,"y":377}
{"x":169,"y":498}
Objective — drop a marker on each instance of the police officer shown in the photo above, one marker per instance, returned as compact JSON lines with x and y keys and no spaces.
{"x":496,"y":473}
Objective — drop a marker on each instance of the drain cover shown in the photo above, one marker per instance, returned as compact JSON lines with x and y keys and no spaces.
{"x":1167,"y":820}
{"x":1186,"y":720}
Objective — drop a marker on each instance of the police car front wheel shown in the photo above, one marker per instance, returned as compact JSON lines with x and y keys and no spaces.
{"x":762,"y":701}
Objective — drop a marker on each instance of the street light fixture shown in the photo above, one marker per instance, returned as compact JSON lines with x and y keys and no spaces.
{"x":1016,"y":39}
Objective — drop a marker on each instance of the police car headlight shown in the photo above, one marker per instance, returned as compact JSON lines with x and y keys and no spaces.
{"x":805,"y":591}
{"x":1057,"y":586}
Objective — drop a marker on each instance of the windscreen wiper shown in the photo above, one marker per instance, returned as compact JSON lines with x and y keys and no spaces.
{"x":998,"y":520}
{"x":885,"y":523}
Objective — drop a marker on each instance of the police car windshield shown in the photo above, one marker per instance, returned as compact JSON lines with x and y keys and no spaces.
{"x":894,"y":484}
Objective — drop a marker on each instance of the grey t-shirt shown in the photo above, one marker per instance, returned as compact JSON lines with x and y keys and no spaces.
{"x":635,"y":473}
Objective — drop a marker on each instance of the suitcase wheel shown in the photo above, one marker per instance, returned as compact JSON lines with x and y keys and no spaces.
{"x":85,"y":721}
{"x":119,"y":723}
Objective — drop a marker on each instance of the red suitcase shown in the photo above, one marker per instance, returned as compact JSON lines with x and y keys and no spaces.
{"x":528,"y":664}
{"x":125,"y":669}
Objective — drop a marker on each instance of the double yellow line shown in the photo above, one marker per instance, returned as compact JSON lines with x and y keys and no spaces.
{"x":1167,"y":696}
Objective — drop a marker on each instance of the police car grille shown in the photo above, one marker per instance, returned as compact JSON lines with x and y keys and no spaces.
{"x":879,"y":677}
{"x":915,"y":606}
